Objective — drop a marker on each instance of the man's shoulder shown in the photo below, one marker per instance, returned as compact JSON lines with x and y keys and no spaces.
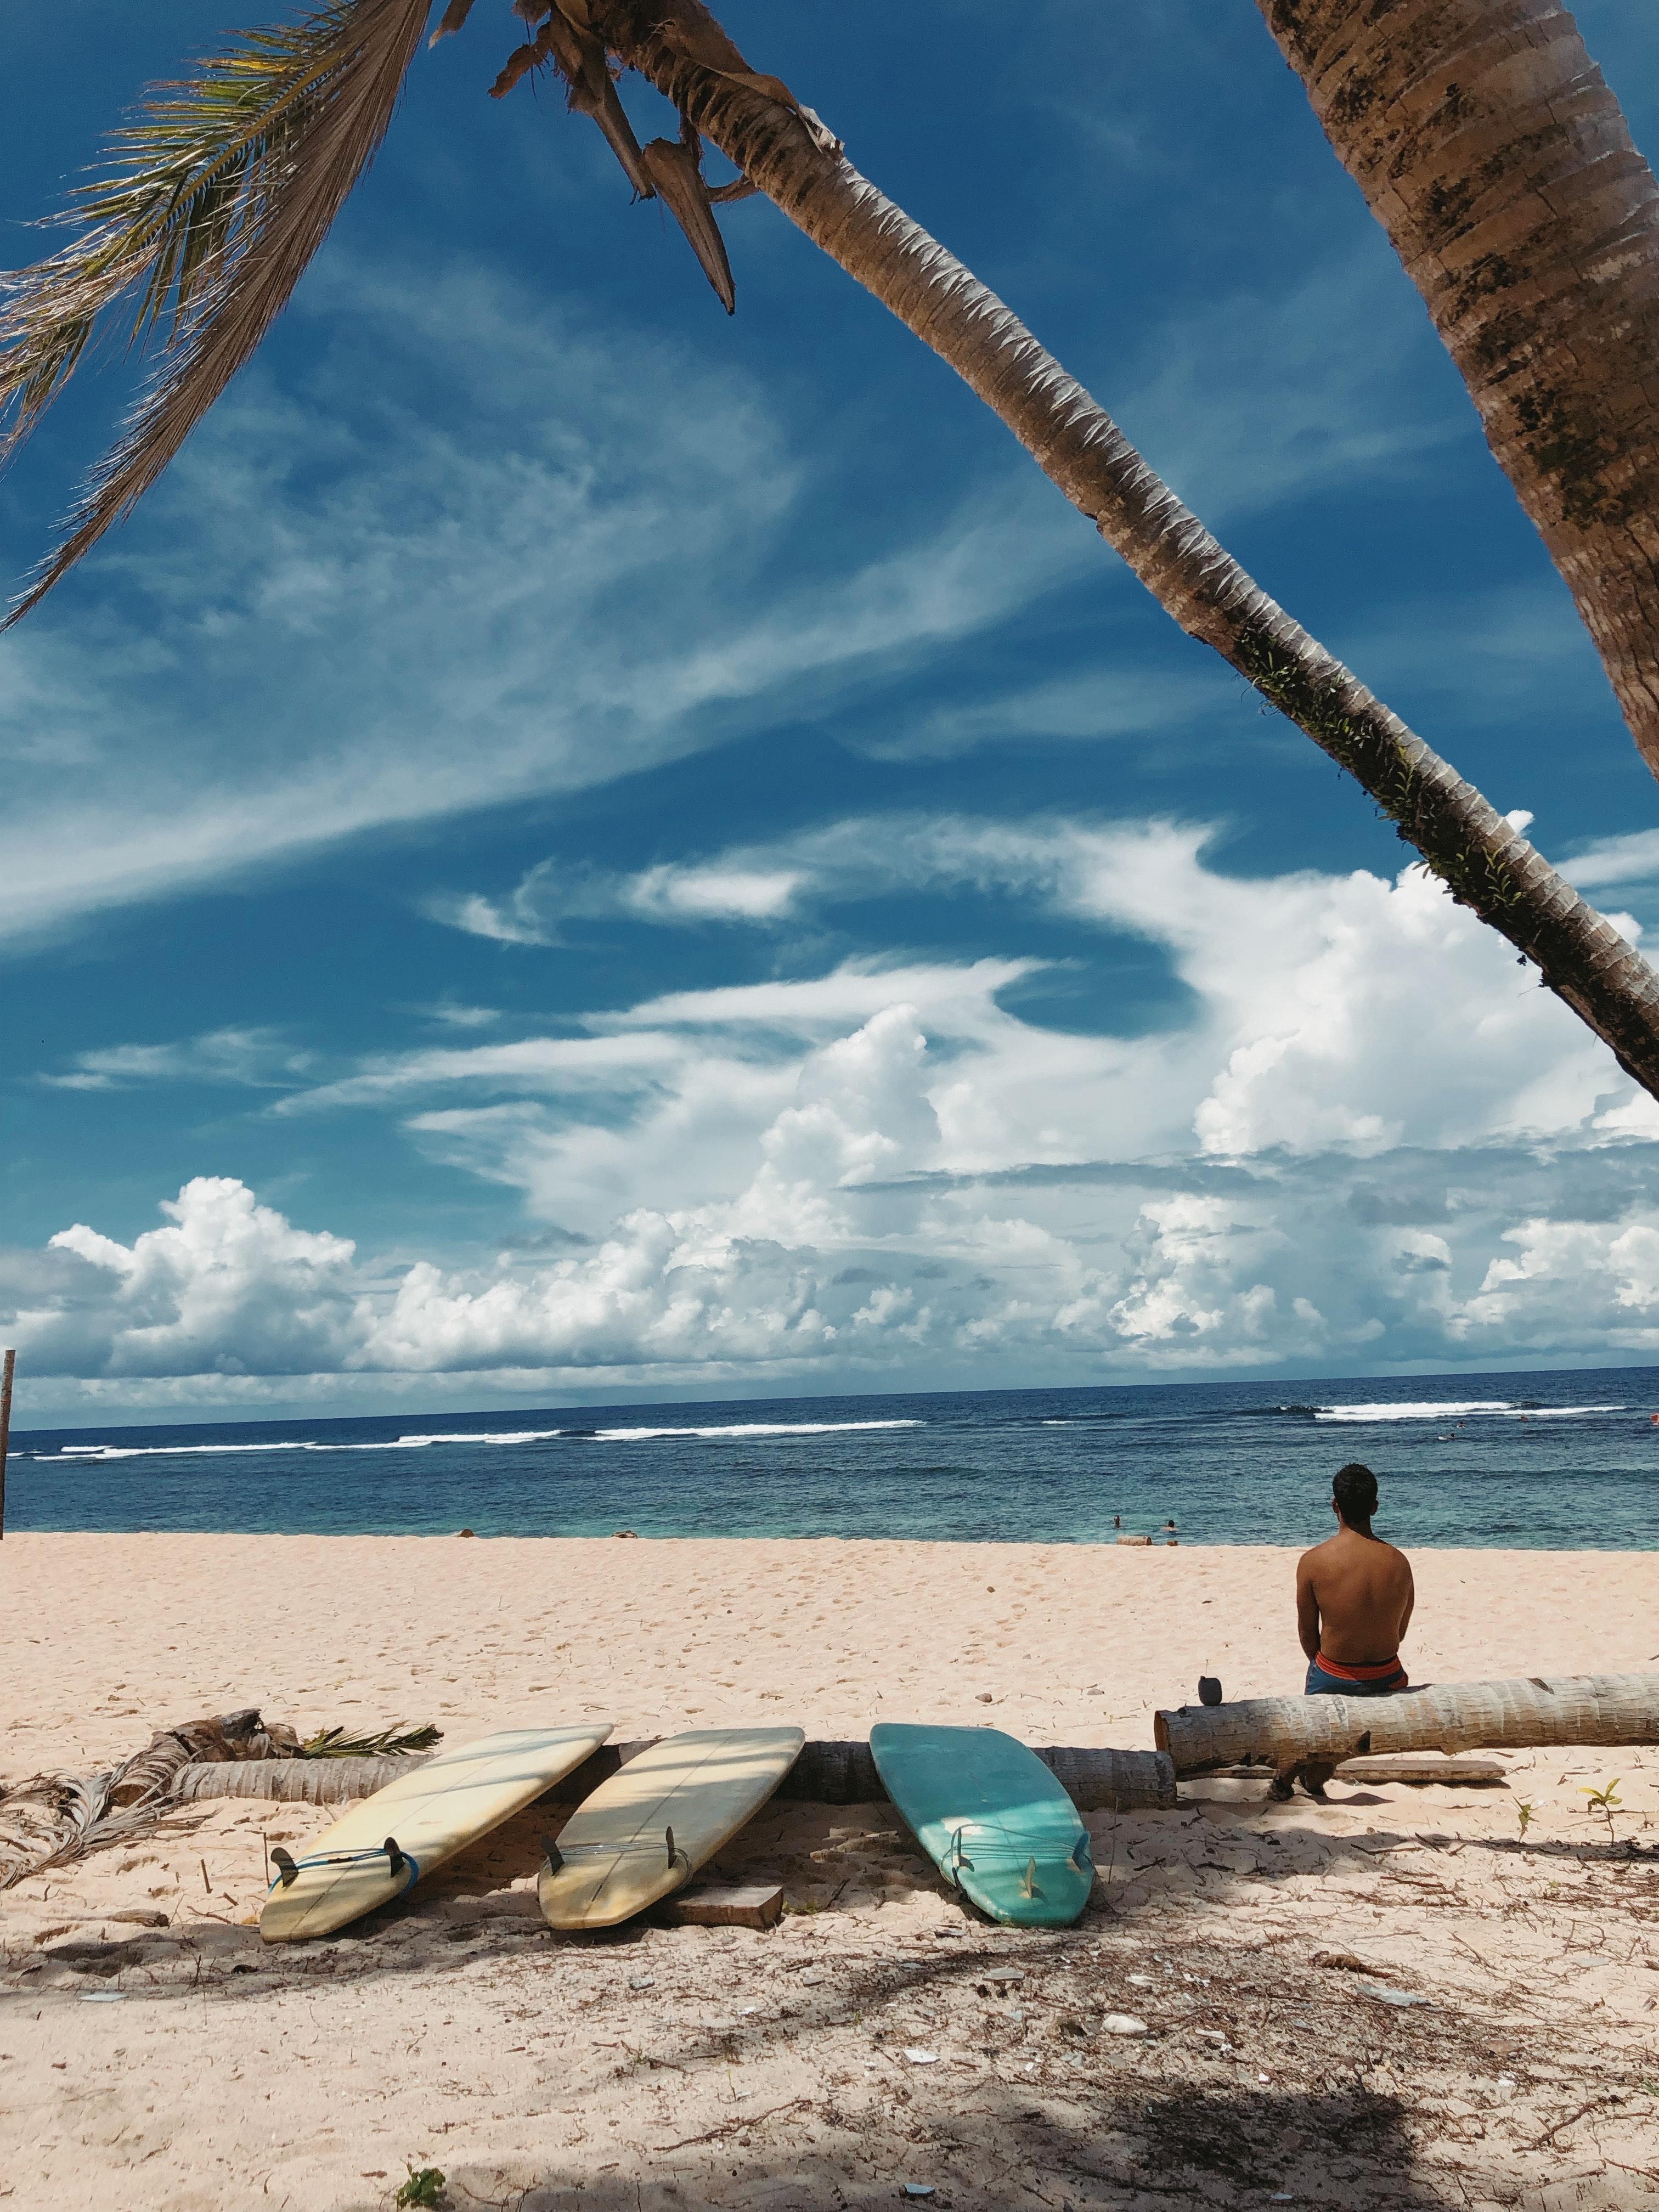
{"x":1315,"y":1551}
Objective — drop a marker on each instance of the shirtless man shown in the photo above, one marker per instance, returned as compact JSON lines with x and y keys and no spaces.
{"x":1353,"y":1600}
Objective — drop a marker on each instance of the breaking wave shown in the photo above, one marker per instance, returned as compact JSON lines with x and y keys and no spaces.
{"x":92,"y":1455}
{"x":1454,"y":1409}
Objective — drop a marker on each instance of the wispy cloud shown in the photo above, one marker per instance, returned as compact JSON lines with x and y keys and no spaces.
{"x":259,"y":1058}
{"x":417,"y":626}
{"x":1632,"y":858}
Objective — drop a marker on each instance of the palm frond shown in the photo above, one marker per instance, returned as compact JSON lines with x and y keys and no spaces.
{"x":221,"y":189}
{"x":335,"y":1743}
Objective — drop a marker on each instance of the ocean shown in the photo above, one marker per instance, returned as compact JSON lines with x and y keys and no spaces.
{"x":1557,"y":1460}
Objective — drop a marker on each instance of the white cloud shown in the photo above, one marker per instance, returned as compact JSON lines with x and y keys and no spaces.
{"x":415,"y":619}
{"x":449,"y":1014}
{"x":534,"y":1064}
{"x":1344,"y":1011}
{"x":548,"y":894}
{"x":1366,"y":1138}
{"x":261,"y":1059}
{"x":1632,"y":858}
{"x":229,"y":1287}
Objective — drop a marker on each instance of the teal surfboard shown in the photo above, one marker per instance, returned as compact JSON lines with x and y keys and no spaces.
{"x":991,"y":1817}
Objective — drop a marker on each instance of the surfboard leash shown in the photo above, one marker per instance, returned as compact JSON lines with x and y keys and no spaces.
{"x":288,"y":1868}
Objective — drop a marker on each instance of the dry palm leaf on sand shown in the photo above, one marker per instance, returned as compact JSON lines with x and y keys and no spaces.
{"x":53,"y":1818}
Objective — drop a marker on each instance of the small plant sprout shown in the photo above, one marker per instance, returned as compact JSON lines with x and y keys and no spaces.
{"x":1607,"y":1802}
{"x":1523,"y":1814}
{"x":425,"y":2186}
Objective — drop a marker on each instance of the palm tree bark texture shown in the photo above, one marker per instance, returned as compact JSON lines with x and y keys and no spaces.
{"x":1490,"y":149}
{"x":784,"y":151}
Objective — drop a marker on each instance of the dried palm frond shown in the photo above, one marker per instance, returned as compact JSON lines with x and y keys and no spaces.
{"x":222,"y":187}
{"x":335,"y":1743}
{"x":53,"y":1818}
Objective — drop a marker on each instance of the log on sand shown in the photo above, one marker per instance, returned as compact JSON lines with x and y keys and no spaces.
{"x":826,"y":1773}
{"x":1311,"y":1735}
{"x":293,"y":1781}
{"x":842,"y":1773}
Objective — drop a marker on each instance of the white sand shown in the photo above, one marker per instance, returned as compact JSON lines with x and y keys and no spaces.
{"x":456,"y":2031}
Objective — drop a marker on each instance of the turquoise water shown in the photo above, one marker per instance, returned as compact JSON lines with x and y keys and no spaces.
{"x":1557,"y":1460}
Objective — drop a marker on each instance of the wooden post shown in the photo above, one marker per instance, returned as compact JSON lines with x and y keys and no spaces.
{"x":6,"y":1365}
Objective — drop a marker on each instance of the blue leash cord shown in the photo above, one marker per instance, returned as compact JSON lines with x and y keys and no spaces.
{"x":289,"y":1870}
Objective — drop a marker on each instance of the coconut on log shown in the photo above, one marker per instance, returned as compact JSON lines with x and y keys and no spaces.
{"x":1289,"y":1734}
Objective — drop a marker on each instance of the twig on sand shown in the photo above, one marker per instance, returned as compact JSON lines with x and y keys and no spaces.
{"x":1546,"y":2141}
{"x":732,"y":2127}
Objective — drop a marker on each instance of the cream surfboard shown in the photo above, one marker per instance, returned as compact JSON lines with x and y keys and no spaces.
{"x":388,"y":1841}
{"x":647,"y":1830}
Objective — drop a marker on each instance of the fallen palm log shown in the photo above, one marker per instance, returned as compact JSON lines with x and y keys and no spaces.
{"x":832,"y":1772}
{"x":827,"y":1772}
{"x":1305,"y":1735}
{"x":293,"y":1781}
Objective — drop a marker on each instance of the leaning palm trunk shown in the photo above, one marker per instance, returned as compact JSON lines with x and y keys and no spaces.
{"x":224,"y":194}
{"x":1482,"y":859}
{"x":1490,"y":149}
{"x":1286,"y":1732}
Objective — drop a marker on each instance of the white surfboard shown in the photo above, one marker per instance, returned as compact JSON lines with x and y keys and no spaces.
{"x":647,"y":1830}
{"x":386,"y":1843}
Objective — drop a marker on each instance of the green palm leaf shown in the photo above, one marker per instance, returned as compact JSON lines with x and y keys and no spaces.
{"x":335,"y":1743}
{"x":221,"y":189}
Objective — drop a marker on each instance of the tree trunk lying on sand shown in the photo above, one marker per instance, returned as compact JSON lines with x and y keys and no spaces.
{"x":1289,"y":1734}
{"x":826,"y":1773}
{"x":293,"y":1781}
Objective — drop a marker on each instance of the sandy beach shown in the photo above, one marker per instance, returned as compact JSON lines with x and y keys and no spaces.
{"x":859,"y":2047}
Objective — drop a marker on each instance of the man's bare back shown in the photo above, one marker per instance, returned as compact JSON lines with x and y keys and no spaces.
{"x":1354,"y":1596}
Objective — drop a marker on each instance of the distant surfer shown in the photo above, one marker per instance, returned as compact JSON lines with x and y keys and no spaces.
{"x":1353,"y":1598}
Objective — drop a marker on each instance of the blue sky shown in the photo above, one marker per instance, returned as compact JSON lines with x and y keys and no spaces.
{"x":577,"y":848}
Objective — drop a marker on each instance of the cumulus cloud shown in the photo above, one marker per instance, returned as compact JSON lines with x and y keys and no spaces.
{"x":1350,"y":1009}
{"x":1364,"y":1138}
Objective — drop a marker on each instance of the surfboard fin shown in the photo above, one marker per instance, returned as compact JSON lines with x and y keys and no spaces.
{"x":669,"y":1835}
{"x":1028,"y":1880}
{"x":1082,"y":1857}
{"x":287,"y":1872}
{"x":555,"y":1856}
{"x":397,"y":1862}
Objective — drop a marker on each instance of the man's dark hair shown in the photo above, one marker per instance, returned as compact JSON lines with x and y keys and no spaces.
{"x":1355,"y":1492}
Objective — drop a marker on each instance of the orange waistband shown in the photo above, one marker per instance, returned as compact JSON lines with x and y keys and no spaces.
{"x":1370,"y":1673}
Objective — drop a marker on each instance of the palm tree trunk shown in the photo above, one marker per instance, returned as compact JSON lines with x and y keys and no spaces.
{"x":1489,"y":148}
{"x":1285,"y":1732}
{"x":1484,"y":862}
